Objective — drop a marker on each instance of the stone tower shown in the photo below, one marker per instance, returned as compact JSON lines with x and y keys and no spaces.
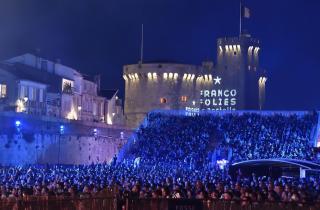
{"x":238,"y":64}
{"x":151,"y":86}
{"x":236,"y":82}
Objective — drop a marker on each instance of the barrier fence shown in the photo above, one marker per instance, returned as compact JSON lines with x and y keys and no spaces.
{"x":111,"y":203}
{"x":43,"y":203}
{"x":192,"y":204}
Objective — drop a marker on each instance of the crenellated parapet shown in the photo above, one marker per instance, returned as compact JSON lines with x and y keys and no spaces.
{"x":158,"y":72}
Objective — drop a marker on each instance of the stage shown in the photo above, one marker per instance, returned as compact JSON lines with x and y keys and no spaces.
{"x":276,"y":168}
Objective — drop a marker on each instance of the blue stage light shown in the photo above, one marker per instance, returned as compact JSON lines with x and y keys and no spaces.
{"x":18,"y":123}
{"x":61,"y":129}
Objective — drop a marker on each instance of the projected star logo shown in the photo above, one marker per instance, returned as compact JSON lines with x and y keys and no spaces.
{"x":217,"y":80}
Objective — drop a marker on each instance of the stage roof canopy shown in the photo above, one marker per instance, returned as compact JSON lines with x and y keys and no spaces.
{"x":281,"y":163}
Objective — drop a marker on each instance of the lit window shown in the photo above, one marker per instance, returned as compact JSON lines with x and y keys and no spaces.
{"x":31,"y":92}
{"x":165,"y":75}
{"x":95,"y":109}
{"x":163,"y":100}
{"x":155,"y":75}
{"x":67,"y":86}
{"x":3,"y":90}
{"x":23,"y":91}
{"x":184,"y":98}
{"x":185,"y":76}
{"x":41,"y":95}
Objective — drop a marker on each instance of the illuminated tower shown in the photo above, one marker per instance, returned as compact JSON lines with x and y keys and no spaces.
{"x":152,"y":86}
{"x":238,"y":64}
{"x":236,"y":82}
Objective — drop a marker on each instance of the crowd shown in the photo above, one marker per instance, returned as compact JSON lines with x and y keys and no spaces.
{"x":171,"y":157}
{"x":254,"y":136}
{"x":126,"y":181}
{"x":199,"y":140}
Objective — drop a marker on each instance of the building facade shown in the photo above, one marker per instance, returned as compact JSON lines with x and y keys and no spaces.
{"x":235,"y":82}
{"x":33,"y":85}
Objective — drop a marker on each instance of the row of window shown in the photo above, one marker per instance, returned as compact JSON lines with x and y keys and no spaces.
{"x":3,"y":90}
{"x":89,"y":105}
{"x":182,"y":99}
{"x":31,"y":93}
{"x":96,"y":106}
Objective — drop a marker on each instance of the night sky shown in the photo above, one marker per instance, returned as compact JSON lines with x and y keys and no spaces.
{"x":100,"y":36}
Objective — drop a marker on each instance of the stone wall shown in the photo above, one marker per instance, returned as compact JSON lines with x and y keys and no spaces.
{"x":39,"y":141}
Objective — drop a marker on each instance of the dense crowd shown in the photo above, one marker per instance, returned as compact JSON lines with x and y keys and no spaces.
{"x":126,"y":181}
{"x":200,"y":140}
{"x":171,"y":156}
{"x":253,"y":136}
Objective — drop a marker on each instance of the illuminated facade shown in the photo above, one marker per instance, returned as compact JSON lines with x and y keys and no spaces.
{"x":236,"y":82}
{"x":238,"y":64}
{"x":157,"y":86}
{"x":33,"y":85}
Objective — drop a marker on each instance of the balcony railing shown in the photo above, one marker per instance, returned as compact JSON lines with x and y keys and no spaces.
{"x":68,"y":90}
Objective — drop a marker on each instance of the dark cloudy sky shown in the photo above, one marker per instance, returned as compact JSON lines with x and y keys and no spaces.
{"x":100,"y":36}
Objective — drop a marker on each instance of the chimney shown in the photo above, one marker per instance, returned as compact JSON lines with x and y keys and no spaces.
{"x":97,"y":80}
{"x":58,"y":61}
{"x":38,"y":62}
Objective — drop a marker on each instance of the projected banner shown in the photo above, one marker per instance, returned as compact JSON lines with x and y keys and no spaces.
{"x":218,"y":98}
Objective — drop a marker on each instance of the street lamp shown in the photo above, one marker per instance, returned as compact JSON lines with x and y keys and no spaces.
{"x":60,"y":133}
{"x":95,"y":132}
{"x":79,"y":112}
{"x":61,"y":129}
{"x":18,"y":125}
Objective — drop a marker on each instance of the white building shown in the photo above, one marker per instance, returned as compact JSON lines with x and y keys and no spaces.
{"x":59,"y":90}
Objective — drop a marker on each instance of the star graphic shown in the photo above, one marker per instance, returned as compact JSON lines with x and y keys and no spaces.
{"x":217,"y":80}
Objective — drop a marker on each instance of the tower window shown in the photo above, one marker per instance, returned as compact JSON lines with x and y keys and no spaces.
{"x":183,"y":98}
{"x":163,"y":100}
{"x":234,"y":53}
